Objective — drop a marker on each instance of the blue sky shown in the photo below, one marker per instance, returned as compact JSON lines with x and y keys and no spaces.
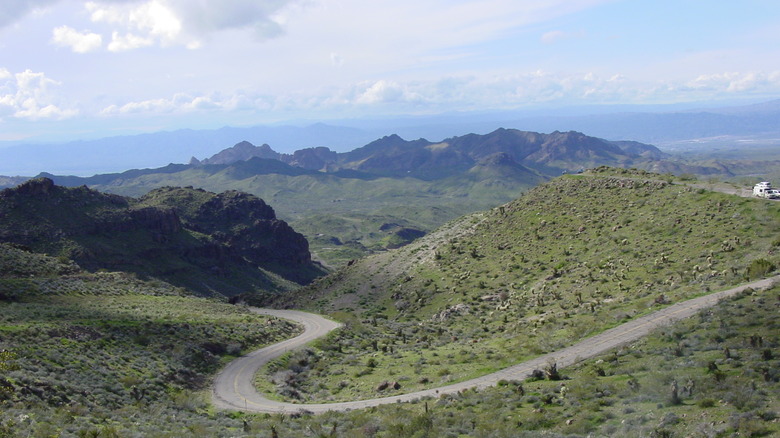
{"x":85,"y":69}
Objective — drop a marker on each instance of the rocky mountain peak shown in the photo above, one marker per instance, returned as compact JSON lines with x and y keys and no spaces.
{"x":241,"y":152}
{"x":34,"y":187}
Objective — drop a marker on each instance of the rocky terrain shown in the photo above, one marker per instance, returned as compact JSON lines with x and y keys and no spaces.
{"x":225,"y":243}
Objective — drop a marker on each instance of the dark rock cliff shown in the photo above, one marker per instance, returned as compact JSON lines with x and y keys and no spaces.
{"x":242,"y":222}
{"x":202,"y":240}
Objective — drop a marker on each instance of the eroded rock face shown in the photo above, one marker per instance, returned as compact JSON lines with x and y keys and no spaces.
{"x":312,"y":158}
{"x":160,"y":223}
{"x":159,"y":220}
{"x":35,"y":186}
{"x":170,"y":232}
{"x":240,"y":152}
{"x":232,"y":206}
{"x":249,"y":227}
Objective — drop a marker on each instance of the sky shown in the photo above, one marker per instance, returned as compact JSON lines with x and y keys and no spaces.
{"x":87,"y":69}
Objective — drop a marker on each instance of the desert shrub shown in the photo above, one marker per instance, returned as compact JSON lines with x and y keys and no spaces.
{"x":759,"y":268}
{"x":706,"y":403}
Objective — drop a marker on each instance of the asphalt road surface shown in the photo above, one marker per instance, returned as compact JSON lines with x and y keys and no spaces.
{"x":233,"y":388}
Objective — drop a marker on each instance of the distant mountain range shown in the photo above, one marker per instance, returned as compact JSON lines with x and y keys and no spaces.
{"x":532,"y":156}
{"x":664,"y":126}
{"x":390,"y":191}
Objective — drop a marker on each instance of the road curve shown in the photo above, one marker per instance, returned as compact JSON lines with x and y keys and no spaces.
{"x":234,"y":389}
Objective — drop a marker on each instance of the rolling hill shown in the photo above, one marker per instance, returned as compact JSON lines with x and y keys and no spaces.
{"x":569,"y":258}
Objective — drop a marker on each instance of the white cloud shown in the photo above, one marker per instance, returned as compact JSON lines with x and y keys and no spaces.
{"x":184,"y":22}
{"x":737,"y":82}
{"x":141,"y":24}
{"x":454,"y":93}
{"x":183,"y":103}
{"x":381,"y":92}
{"x":146,"y":106}
{"x":27,"y":95}
{"x":79,"y":42}
{"x":535,"y":88}
{"x":208,"y":16}
{"x":121,"y":43}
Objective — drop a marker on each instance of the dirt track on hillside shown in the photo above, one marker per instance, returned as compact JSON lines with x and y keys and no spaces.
{"x":234,"y":390}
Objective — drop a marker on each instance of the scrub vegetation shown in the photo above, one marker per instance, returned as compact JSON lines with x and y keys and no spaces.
{"x":713,"y":375}
{"x":108,"y":354}
{"x":567,"y":260}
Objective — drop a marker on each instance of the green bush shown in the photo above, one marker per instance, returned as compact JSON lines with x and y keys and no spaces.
{"x":706,"y":403}
{"x":759,"y":268}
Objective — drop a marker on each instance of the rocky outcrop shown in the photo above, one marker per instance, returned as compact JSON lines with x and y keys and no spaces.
{"x":271,"y":241}
{"x":159,"y":223}
{"x":232,"y":206}
{"x":241,"y":152}
{"x":243,"y":223}
{"x":33,"y":187}
{"x":312,"y":158}
{"x":158,"y":220}
{"x":195,"y":238}
{"x":260,"y":236}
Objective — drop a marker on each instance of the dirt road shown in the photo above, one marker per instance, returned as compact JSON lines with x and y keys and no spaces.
{"x":234,"y":390}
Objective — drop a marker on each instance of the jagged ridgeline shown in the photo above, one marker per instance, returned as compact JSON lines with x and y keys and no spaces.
{"x":213,"y":244}
{"x":608,"y":243}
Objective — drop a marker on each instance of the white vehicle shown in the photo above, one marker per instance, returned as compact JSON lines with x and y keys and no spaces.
{"x":765,"y":190}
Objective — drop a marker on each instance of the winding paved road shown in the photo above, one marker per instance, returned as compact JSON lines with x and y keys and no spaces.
{"x":234,"y":389}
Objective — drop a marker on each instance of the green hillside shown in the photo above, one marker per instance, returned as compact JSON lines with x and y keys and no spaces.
{"x":723,"y":363}
{"x":107,"y":354}
{"x":136,"y":383}
{"x":566,"y":260}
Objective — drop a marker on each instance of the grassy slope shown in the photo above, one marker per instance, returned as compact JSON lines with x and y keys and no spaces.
{"x":725,"y":362}
{"x":566,"y":260}
{"x":108,"y":355}
{"x":89,"y":372}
